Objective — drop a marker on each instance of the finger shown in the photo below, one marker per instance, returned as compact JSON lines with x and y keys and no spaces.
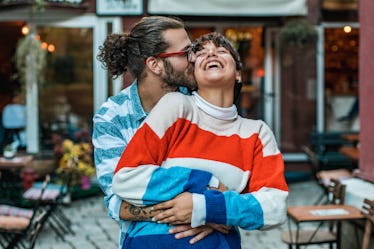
{"x":180,"y":228}
{"x":188,"y":233}
{"x":162,"y":215}
{"x":163,"y":205}
{"x":201,"y":235}
{"x":221,"y":228}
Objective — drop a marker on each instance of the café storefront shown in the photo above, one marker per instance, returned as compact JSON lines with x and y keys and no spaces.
{"x":286,"y":87}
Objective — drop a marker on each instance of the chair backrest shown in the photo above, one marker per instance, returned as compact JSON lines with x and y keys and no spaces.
{"x":368,"y":212}
{"x":336,"y":192}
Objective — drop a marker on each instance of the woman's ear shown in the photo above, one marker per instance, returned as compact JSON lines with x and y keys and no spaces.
{"x":153,"y":65}
{"x":238,"y":76}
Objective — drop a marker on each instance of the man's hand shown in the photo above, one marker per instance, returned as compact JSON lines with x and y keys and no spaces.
{"x":199,"y":233}
{"x":176,"y":211}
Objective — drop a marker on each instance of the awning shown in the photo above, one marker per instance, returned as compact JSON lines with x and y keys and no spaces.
{"x":228,"y":7}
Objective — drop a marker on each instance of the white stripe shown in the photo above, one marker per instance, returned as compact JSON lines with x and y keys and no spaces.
{"x":131,"y":183}
{"x":232,"y":177}
{"x":273,"y":204}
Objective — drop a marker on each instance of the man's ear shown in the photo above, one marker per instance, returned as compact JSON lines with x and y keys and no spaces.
{"x":154,"y":65}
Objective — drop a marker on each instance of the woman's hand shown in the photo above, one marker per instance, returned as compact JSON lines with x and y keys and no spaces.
{"x":176,"y":211}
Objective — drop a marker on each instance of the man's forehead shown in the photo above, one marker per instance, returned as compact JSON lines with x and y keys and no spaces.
{"x":177,"y":39}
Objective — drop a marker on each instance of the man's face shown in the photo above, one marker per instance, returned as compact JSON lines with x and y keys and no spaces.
{"x":178,"y":70}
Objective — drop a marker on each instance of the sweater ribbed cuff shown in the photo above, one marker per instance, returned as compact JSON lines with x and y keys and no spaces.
{"x":215,"y":207}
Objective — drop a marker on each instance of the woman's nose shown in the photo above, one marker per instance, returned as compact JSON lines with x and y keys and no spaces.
{"x":212,"y":52}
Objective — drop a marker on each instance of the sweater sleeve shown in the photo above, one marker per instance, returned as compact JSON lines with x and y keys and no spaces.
{"x":264,"y":205}
{"x":139,"y":177}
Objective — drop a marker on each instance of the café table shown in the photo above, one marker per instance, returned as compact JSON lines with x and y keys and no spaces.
{"x":321,"y":214}
{"x":352,"y":137}
{"x":10,"y":181}
{"x":352,"y":152}
{"x":16,"y":163}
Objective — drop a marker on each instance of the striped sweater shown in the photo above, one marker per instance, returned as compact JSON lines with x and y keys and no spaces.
{"x":183,"y":139}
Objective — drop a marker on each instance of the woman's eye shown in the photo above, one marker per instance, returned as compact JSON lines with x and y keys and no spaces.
{"x":200,"y":54}
{"x":222,"y":51}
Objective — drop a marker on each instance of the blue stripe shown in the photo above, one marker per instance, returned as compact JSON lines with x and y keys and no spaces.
{"x":215,"y":240}
{"x":165,"y":184}
{"x":105,"y":128}
{"x":101,"y":154}
{"x":215,"y":210}
{"x":102,"y":111}
{"x":197,"y":183}
{"x":119,"y":99}
{"x":244,"y":209}
{"x":127,"y":121}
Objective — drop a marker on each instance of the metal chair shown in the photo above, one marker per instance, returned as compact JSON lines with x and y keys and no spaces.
{"x":17,"y":231}
{"x":52,"y":200}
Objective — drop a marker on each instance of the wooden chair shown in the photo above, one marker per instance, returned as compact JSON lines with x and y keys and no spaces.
{"x":368,"y":212}
{"x":333,"y":214}
{"x":19,"y":228}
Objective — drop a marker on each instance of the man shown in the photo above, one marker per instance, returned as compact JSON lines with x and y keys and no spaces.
{"x":154,"y":53}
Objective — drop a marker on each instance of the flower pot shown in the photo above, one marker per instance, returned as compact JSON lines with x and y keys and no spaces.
{"x":85,"y":182}
{"x":9,"y":154}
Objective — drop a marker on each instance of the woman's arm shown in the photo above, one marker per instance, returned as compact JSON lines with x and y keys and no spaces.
{"x":140,"y":177}
{"x":264,"y":206}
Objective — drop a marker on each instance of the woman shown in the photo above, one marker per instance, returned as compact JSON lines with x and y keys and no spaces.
{"x":195,"y":135}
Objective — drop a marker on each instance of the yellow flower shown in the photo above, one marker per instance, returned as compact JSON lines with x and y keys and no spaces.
{"x":67,"y":145}
{"x":76,"y":159}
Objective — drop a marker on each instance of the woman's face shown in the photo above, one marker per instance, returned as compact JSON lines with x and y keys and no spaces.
{"x":215,"y":66}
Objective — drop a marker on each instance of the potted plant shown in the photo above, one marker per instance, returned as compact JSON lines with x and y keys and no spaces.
{"x":298,"y":33}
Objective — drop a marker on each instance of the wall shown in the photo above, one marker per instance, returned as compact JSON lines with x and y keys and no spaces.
{"x":366,"y":76}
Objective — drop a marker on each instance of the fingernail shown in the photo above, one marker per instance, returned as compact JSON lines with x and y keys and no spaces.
{"x":153,"y":219}
{"x":152,"y":208}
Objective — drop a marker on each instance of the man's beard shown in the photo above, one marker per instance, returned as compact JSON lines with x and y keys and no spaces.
{"x":174,"y":78}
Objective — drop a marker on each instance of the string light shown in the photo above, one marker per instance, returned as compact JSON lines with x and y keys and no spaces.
{"x":51,"y":48}
{"x":25,"y":30}
{"x":347,"y":29}
{"x":44,"y":45}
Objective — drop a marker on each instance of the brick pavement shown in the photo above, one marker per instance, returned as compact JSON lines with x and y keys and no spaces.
{"x":94,"y":230}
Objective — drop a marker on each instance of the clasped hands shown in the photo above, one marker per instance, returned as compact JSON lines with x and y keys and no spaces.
{"x":178,"y":212}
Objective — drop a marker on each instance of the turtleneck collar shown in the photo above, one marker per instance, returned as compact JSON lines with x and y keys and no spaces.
{"x":223,"y":113}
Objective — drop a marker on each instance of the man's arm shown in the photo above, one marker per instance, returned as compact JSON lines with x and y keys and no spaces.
{"x":134,"y":213}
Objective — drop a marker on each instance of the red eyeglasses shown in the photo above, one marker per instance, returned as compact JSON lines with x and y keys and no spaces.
{"x":166,"y":55}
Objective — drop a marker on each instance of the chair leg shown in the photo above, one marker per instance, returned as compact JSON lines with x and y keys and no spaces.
{"x":367,"y":234}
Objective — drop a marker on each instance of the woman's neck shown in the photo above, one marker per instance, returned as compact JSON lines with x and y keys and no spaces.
{"x":223,"y":113}
{"x":217,"y":97}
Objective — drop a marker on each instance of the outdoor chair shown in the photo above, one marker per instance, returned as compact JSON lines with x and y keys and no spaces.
{"x":52,"y":201}
{"x":19,"y":227}
{"x":368,"y":212}
{"x":332,"y":214}
{"x":323,"y":176}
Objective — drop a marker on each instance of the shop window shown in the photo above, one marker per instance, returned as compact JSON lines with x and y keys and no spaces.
{"x":341,"y":78}
{"x":66,"y":97}
{"x":248,"y":41}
